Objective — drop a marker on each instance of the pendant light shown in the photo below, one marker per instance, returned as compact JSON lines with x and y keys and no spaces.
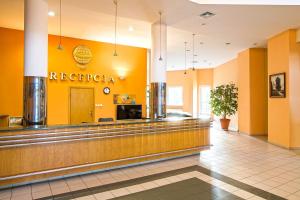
{"x":194,"y":52}
{"x":160,"y":57}
{"x":116,"y":17}
{"x":185,"y":50}
{"x":60,"y":47}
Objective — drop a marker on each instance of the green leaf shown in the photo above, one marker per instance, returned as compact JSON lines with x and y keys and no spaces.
{"x":224,"y":100}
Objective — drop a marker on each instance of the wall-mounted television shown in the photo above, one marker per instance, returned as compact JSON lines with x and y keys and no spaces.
{"x":129,"y":112}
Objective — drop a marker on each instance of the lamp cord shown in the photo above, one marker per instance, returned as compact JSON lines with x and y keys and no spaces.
{"x":185,"y":57}
{"x":160,"y":58}
{"x":116,"y":14}
{"x":193,"y":51}
{"x":60,"y":22}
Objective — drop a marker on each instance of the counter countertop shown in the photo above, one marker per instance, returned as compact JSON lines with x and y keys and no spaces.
{"x":87,"y":125}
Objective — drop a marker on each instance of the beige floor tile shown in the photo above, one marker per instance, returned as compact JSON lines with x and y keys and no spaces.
{"x":21,"y":197}
{"x":41,"y":194}
{"x":60,"y":190}
{"x":4,"y":194}
{"x":40,"y":187}
{"x":120,"y":192}
{"x":149,"y":185}
{"x":91,"y":197}
{"x":21,"y":190}
{"x":58,"y":183}
{"x":104,"y":196}
{"x":135,"y":189}
{"x":280,"y":192}
{"x":243,"y":194}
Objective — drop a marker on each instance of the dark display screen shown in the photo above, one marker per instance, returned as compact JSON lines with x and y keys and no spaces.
{"x":129,"y":112}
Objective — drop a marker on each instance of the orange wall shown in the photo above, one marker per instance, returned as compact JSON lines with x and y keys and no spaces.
{"x":131,"y":60}
{"x":252,"y":91}
{"x":294,"y":91}
{"x":258,"y":92}
{"x":278,"y":109}
{"x":178,"y":78}
{"x":190,"y":83}
{"x":11,"y":72}
{"x":227,"y":73}
{"x":284,"y":116}
{"x":244,"y":91}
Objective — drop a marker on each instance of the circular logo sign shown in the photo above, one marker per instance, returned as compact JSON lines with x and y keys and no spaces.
{"x":82,"y":55}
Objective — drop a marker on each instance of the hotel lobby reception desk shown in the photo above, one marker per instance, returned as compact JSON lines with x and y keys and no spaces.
{"x":28,"y":154}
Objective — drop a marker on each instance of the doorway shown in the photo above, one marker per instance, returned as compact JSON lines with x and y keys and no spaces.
{"x":82,"y":109}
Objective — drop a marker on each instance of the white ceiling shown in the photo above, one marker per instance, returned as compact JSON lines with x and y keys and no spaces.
{"x":240,"y":25}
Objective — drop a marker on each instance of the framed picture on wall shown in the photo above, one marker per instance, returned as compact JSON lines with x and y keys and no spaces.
{"x":277,"y":85}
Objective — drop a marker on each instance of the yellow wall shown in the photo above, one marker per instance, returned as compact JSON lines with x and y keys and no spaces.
{"x":284,"y":116}
{"x":224,"y":74}
{"x":244,"y":91}
{"x":131,"y":60}
{"x":178,"y":78}
{"x":258,"y":92}
{"x":11,"y":72}
{"x":190,"y":83}
{"x":278,"y":109}
{"x":252,"y":84}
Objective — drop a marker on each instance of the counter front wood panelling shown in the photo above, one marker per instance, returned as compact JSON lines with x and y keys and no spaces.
{"x":35,"y":156}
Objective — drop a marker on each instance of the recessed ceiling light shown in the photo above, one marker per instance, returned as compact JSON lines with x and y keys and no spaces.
{"x":51,"y":13}
{"x":130,"y":28}
{"x":207,"y":15}
{"x":203,"y":24}
{"x":228,"y":43}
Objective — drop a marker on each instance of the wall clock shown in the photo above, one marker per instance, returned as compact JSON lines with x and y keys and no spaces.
{"x":106,"y":90}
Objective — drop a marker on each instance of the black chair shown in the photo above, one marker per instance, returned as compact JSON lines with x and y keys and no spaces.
{"x":105,"y":120}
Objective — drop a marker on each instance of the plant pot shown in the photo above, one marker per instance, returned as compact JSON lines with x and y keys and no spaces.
{"x":225,"y":124}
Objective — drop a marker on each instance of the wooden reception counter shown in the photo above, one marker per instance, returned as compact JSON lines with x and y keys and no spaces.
{"x":33,"y":154}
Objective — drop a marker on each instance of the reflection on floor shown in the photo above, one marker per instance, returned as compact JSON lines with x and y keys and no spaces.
{"x":236,"y":167}
{"x":262,"y":137}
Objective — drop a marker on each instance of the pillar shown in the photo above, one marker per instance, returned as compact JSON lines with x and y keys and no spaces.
{"x":158,"y":108}
{"x":35,"y":62}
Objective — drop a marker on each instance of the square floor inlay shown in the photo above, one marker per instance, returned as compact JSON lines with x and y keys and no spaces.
{"x":184,"y":190}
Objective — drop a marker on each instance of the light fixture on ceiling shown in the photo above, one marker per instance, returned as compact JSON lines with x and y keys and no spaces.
{"x":228,"y":43}
{"x":130,"y":28}
{"x":160,"y":57}
{"x":201,"y":43}
{"x":207,"y":15}
{"x":203,"y":24}
{"x":51,"y":13}
{"x":60,"y":47}
{"x":116,"y":18}
{"x":185,"y":50}
{"x":194,"y":61}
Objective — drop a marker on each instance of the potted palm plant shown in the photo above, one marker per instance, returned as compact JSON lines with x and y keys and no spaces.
{"x":224,"y":103}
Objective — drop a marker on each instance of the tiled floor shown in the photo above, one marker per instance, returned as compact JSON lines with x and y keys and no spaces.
{"x":257,"y":164}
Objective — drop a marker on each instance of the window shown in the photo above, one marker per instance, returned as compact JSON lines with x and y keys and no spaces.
{"x":204,"y":100}
{"x":175,"y":96}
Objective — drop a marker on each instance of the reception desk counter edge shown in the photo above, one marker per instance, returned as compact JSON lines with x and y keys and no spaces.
{"x":34,"y":154}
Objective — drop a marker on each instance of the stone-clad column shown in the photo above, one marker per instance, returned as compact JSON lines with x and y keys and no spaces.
{"x":158,"y":71}
{"x":35,"y":61}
